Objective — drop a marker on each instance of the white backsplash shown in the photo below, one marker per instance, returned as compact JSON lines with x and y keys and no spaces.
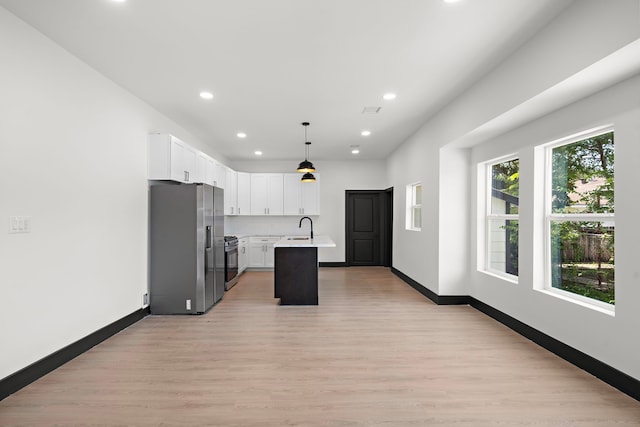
{"x":268,"y":225}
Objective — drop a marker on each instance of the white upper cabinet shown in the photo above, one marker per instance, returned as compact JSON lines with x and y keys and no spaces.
{"x":231,"y":193}
{"x":170,"y":159}
{"x":244,"y":193}
{"x":219,"y":175}
{"x":204,"y":169}
{"x":301,"y":198}
{"x":267,"y":194}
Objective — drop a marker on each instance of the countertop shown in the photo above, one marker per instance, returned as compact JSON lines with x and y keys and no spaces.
{"x":305,"y":242}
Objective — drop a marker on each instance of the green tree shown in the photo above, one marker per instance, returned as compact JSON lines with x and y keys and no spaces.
{"x":588,"y":160}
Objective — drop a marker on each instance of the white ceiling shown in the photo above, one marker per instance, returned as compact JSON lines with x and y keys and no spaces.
{"x":272,"y":64}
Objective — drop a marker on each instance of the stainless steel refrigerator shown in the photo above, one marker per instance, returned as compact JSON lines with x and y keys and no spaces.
{"x":186,"y":237}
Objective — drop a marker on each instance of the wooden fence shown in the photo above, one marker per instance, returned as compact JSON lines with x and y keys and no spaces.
{"x":589,"y":248}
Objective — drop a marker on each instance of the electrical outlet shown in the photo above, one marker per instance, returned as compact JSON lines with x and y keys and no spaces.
{"x":19,"y":224}
{"x":145,"y":299}
{"x":188,"y":304}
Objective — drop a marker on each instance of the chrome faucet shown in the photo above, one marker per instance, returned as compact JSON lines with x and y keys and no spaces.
{"x":310,"y":220}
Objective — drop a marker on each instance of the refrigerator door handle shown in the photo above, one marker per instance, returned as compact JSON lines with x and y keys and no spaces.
{"x":207,"y":244}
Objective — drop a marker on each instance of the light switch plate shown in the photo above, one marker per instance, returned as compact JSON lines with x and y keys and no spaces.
{"x":19,"y":224}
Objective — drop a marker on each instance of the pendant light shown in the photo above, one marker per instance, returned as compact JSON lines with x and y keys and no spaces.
{"x":306,"y":166}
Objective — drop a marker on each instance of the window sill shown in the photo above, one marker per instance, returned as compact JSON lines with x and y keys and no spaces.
{"x":502,"y":276}
{"x":596,"y":305}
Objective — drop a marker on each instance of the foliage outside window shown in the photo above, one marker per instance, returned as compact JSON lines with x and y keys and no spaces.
{"x":414,"y":207}
{"x":580,"y":218}
{"x":502,"y":217}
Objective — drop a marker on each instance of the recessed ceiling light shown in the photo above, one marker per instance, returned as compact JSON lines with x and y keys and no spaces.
{"x":355,"y":151}
{"x":258,"y":153}
{"x":365,"y":133}
{"x":451,"y":1}
{"x":119,"y":1}
{"x":206,"y":95}
{"x":389,"y":96}
{"x":241,"y":135}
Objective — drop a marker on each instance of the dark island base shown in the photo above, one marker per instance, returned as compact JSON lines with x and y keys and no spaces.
{"x":296,"y":275}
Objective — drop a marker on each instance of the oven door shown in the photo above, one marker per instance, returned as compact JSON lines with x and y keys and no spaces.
{"x":230,"y":266}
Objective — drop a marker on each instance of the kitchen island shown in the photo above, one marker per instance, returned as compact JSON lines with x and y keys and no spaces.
{"x":296,"y":269}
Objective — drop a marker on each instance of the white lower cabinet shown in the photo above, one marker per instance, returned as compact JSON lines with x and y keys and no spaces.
{"x":261,"y":251}
{"x":243,"y":254}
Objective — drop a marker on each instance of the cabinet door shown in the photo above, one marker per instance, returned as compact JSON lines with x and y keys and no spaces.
{"x":177,"y":156}
{"x":310,"y":197}
{"x":243,"y":255}
{"x":209,"y":178}
{"x":230,"y":193}
{"x":256,"y":254}
{"x":259,"y":197}
{"x":269,"y":255}
{"x":189,"y":163}
{"x":244,"y":193}
{"x":275,"y":200}
{"x":292,"y":187}
{"x":204,"y":169}
{"x":220,"y":175}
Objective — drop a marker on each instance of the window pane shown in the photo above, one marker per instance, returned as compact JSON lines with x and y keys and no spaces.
{"x":582,"y":258}
{"x":418,"y":194}
{"x":417,"y":217}
{"x":503,"y":246}
{"x":505,"y":187}
{"x":582,"y":176}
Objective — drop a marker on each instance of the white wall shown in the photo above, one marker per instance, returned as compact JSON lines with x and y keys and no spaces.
{"x":442,"y":257}
{"x":73,"y":158}
{"x":607,"y":338}
{"x":335,"y":178}
{"x":549,"y":59}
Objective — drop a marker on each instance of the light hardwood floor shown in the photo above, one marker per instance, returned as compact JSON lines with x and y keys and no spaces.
{"x":373,"y":353}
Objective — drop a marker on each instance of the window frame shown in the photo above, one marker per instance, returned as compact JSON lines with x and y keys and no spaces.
{"x":490,"y":216}
{"x":410,"y":223}
{"x":550,"y":217}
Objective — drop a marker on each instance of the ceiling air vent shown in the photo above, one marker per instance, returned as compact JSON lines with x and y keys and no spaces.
{"x":371,"y":110}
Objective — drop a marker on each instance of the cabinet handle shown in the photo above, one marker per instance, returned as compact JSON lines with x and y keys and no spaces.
{"x":186,"y":176}
{"x":302,"y":211}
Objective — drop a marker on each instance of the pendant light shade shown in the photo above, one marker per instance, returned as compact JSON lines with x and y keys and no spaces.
{"x":306,"y":166}
{"x":308,"y":177}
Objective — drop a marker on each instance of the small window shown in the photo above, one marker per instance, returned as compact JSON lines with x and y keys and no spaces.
{"x":414,"y":207}
{"x":503,"y":191}
{"x":580,"y":221}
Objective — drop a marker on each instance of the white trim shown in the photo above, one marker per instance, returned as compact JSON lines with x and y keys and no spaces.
{"x":587,"y":302}
{"x":500,"y":275}
{"x":410,"y":205}
{"x":550,"y":217}
{"x":599,"y":130}
{"x":488,"y":217}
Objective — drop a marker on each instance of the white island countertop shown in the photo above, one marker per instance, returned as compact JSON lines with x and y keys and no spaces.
{"x":305,"y":242}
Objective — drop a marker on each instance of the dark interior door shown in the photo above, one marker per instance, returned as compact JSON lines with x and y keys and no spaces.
{"x":364,"y":228}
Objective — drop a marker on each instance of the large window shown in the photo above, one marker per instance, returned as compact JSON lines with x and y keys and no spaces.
{"x":503,"y":193}
{"x":580,"y":219}
{"x":414,"y":207}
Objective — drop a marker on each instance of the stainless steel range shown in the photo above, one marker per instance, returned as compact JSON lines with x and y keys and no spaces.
{"x":230,"y":261}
